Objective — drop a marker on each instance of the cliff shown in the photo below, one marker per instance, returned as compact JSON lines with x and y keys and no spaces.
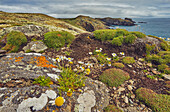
{"x":117,"y":21}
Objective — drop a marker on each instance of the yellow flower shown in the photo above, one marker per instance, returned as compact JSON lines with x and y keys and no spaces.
{"x":59,"y":101}
{"x":71,"y":62}
{"x":69,"y":92}
{"x":87,"y":71}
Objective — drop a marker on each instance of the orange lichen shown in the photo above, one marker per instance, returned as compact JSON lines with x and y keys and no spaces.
{"x":43,"y":62}
{"x":18,"y":59}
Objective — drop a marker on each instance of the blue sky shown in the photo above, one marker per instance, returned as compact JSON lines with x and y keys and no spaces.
{"x":93,"y":8}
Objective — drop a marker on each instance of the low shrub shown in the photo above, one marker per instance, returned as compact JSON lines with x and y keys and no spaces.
{"x":130,"y":39}
{"x":57,"y":39}
{"x":112,"y":108}
{"x":162,"y":67}
{"x":70,"y":80}
{"x":138,"y":34}
{"x":128,"y":60}
{"x":164,"y":46}
{"x":114,"y":77}
{"x":149,"y":48}
{"x":119,"y":65}
{"x":156,"y":59}
{"x":103,"y":35}
{"x":157,"y":102}
{"x":118,"y":41}
{"x":42,"y":80}
{"x":14,"y":40}
{"x":120,"y":32}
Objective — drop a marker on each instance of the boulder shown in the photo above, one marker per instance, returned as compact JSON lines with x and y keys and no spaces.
{"x":36,"y":46}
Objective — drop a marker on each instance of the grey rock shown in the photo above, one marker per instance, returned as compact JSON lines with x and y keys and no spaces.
{"x":36,"y":46}
{"x":167,"y":76}
{"x":121,"y":89}
{"x":129,"y":87}
{"x":126,"y":100}
{"x":87,"y":100}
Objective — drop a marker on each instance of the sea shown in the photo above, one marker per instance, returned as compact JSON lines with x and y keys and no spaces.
{"x":150,"y":26}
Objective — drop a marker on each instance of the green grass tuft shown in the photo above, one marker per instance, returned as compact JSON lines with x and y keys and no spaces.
{"x":114,"y":77}
{"x":112,"y":108}
{"x":128,"y":60}
{"x":157,"y":102}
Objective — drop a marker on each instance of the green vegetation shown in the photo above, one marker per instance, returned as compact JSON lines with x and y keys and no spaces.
{"x":14,"y":40}
{"x":42,"y":80}
{"x":57,"y":39}
{"x":101,"y":57}
{"x":130,"y":39}
{"x":118,"y":41}
{"x":157,"y":60}
{"x":138,"y":34}
{"x":119,"y":65}
{"x":149,"y":48}
{"x":128,"y":60}
{"x":162,"y":67}
{"x":112,"y":108}
{"x":150,"y":76}
{"x":70,"y":80}
{"x":164,"y":46}
{"x":114,"y":77}
{"x":157,"y":102}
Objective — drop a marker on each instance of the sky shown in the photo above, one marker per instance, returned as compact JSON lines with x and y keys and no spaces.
{"x":93,"y":8}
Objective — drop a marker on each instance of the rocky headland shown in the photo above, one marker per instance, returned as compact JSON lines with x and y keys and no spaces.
{"x":47,"y":67}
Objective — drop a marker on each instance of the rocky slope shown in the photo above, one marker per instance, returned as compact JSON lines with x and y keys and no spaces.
{"x":87,"y":23}
{"x":22,"y":19}
{"x":90,"y":58}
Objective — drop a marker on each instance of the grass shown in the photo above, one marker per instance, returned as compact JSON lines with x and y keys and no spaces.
{"x":130,"y":39}
{"x":138,"y":34}
{"x":157,"y":102}
{"x":119,"y":65}
{"x":58,"y":39}
{"x":128,"y":60}
{"x":14,"y":40}
{"x":112,"y":108}
{"x":114,"y":77}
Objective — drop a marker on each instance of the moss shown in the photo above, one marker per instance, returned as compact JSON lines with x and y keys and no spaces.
{"x":14,"y":40}
{"x":117,"y":41}
{"x":164,"y":46}
{"x":157,"y":102}
{"x":112,"y":108}
{"x":57,"y":39}
{"x":156,"y":59}
{"x":149,"y":48}
{"x":128,"y":60}
{"x":114,"y":77}
{"x":130,"y":39}
{"x":138,"y":34}
{"x":162,"y":67}
{"x":119,"y":65}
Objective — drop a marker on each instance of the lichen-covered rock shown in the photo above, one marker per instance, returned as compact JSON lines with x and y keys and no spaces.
{"x":36,"y":46}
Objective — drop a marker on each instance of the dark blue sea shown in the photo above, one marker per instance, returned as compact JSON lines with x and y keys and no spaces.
{"x":154,"y":26}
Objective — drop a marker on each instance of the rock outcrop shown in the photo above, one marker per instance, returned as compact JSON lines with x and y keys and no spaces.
{"x":19,"y":94}
{"x":117,"y":21}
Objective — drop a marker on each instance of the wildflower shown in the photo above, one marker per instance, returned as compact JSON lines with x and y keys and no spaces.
{"x":82,"y":68}
{"x":88,"y":64}
{"x":62,"y":57}
{"x":69,"y":92}
{"x":59,"y":101}
{"x":98,"y":50}
{"x":70,"y":62}
{"x":90,"y":53}
{"x":87,"y":71}
{"x":109,"y":64}
{"x":80,"y":62}
{"x":102,"y":65}
{"x":108,"y":59}
{"x":122,"y":53}
{"x":58,"y":59}
{"x":101,"y":49}
{"x":114,"y":54}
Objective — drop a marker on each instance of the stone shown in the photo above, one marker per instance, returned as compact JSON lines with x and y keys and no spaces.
{"x":53,"y":76}
{"x":126,"y":100}
{"x":35,"y":103}
{"x":130,"y":66}
{"x":133,"y":96}
{"x":167,"y":76}
{"x":51,"y":94}
{"x":87,"y":100}
{"x":57,"y":70}
{"x":149,"y":64}
{"x":129,"y":87}
{"x":2,"y":51}
{"x":155,"y":72}
{"x":36,"y":46}
{"x":121,"y":89}
{"x":131,"y":82}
